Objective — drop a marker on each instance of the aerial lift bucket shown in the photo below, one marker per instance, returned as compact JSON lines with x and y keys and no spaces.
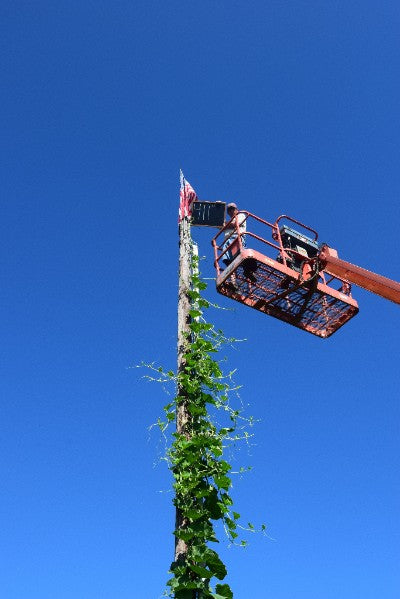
{"x":287,"y":284}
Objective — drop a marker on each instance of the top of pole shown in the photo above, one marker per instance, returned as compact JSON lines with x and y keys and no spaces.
{"x":187,"y":196}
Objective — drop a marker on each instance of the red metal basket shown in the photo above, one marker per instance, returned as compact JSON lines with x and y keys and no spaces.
{"x":305,"y":298}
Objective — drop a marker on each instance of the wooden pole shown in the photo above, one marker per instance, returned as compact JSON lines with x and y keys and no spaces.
{"x":184,"y":305}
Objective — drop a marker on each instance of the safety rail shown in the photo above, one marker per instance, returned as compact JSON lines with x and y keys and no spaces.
{"x":236,"y":234}
{"x":297,"y":222}
{"x":240,"y":240}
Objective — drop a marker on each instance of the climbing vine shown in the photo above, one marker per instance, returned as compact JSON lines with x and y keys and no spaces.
{"x":197,"y":456}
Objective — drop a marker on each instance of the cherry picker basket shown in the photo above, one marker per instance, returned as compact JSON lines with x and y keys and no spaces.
{"x":281,"y":278}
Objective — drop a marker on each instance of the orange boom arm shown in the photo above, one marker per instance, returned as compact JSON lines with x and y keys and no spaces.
{"x":382,"y":286}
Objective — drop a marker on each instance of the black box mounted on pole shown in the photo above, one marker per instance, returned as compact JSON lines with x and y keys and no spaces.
{"x":208,"y":214}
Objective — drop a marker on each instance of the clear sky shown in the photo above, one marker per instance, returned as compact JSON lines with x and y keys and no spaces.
{"x":282,"y":106}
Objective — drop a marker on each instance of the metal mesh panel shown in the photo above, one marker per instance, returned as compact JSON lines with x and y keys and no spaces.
{"x":305,"y":306}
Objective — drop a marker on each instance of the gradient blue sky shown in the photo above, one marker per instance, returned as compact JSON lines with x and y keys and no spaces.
{"x":283,"y":107}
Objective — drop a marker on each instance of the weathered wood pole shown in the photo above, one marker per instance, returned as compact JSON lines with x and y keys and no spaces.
{"x":184,"y":306}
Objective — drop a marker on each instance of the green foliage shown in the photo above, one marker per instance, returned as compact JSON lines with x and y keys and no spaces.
{"x":202,"y":475}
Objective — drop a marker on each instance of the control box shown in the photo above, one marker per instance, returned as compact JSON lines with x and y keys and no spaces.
{"x":208,"y":214}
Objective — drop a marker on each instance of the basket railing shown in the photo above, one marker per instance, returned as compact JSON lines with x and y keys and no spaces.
{"x":256,"y":233}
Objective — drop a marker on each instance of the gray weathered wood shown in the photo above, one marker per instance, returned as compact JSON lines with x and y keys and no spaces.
{"x":184,"y":305}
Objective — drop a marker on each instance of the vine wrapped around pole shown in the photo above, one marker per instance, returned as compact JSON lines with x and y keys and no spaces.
{"x":206,"y":424}
{"x":184,"y":305}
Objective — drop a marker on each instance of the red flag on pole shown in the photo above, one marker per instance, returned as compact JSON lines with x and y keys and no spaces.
{"x":187,"y":197}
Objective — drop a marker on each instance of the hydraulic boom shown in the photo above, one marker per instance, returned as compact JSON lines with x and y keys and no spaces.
{"x":371,"y":281}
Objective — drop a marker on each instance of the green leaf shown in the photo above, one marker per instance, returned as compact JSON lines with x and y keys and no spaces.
{"x":225,"y":431}
{"x":194,"y":313}
{"x":195,"y":327}
{"x":223,"y":482}
{"x":217,"y":450}
{"x":215,"y":564}
{"x":211,"y":504}
{"x":185,"y":535}
{"x":196,"y":410}
{"x":223,"y":590}
{"x":224,"y":467}
{"x":194,"y":295}
{"x":205,"y":304}
{"x":231,"y":524}
{"x":226,"y":499}
{"x":194,"y":514}
{"x":203,"y":572}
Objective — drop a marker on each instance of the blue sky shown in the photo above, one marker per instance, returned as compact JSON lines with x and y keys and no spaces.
{"x":283,"y":107}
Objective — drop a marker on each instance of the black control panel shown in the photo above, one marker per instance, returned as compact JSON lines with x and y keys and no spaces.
{"x":303,"y":245}
{"x":208,"y":214}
